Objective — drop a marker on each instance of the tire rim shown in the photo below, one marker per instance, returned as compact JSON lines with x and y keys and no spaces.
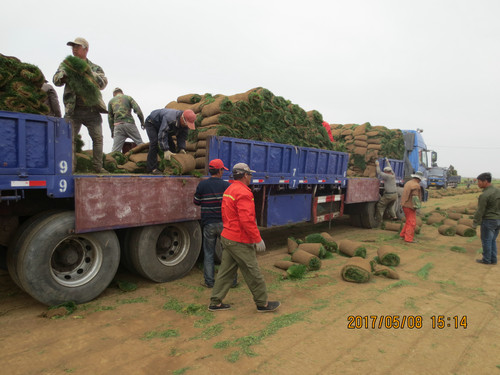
{"x":172,"y":245}
{"x":75,"y":261}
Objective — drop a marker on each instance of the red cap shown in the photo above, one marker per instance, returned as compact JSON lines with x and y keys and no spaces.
{"x":190,"y":118}
{"x":217,"y":164}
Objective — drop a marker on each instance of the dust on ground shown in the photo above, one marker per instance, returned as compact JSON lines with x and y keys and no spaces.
{"x":165,"y":328}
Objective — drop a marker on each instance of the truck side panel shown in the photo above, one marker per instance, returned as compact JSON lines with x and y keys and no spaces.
{"x":276,"y":163}
{"x":362,"y":190}
{"x":114,"y":202}
{"x":35,"y":153}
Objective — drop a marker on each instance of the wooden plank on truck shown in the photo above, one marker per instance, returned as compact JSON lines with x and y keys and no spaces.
{"x":103,"y":203}
{"x":362,"y":190}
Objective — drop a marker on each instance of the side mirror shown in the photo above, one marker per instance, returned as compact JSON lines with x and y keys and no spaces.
{"x":434,"y":156}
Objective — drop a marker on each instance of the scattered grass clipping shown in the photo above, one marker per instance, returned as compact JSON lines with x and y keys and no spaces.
{"x":458,"y":249}
{"x":297,"y":271}
{"x":423,"y":273}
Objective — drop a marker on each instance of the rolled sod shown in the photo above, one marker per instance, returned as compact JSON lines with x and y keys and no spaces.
{"x":450,"y":222}
{"x":330,"y":244}
{"x":323,"y":238}
{"x":447,"y":230}
{"x":292,"y":245}
{"x":312,"y":262}
{"x":357,"y":270}
{"x":184,"y":163}
{"x":380,"y":270}
{"x":419,"y":221}
{"x":387,"y":256}
{"x":314,"y":248}
{"x":435,"y":219}
{"x":296,"y":271}
{"x":352,"y":248}
{"x":465,"y":221}
{"x":465,"y":231}
{"x":454,"y":215}
{"x":395,"y":227}
{"x":283,"y":264}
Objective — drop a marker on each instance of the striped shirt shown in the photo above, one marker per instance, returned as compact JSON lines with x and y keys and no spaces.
{"x":209,"y":196}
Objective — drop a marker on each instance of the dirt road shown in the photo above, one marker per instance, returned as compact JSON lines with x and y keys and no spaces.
{"x":166,"y":328}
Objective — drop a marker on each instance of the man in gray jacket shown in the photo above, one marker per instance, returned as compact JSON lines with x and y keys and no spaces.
{"x":388,"y":200}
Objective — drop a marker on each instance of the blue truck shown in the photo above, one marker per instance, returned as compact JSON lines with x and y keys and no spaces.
{"x":437,"y":177}
{"x":65,"y":234}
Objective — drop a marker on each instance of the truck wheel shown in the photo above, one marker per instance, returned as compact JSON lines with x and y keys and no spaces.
{"x":55,"y":265}
{"x":165,"y":252}
{"x":21,"y":235}
{"x":368,"y":214}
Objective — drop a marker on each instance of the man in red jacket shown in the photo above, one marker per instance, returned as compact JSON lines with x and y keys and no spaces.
{"x":240,"y":239}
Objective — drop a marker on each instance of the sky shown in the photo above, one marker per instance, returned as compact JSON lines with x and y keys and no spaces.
{"x":403,"y":64}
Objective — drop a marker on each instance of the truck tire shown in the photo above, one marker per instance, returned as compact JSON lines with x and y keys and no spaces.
{"x":55,"y":265}
{"x":165,"y":252}
{"x":368,"y":215}
{"x":21,"y":235}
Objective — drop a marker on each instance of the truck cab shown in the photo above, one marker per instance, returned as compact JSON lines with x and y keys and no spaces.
{"x":437,"y":178}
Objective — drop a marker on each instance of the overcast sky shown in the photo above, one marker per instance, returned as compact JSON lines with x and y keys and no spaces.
{"x":403,"y":64}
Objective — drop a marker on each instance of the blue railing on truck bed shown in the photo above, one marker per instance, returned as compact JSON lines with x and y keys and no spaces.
{"x":282,"y":164}
{"x":35,"y":153}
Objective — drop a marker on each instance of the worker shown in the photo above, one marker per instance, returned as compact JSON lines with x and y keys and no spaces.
{"x":77,"y":88}
{"x":161,"y":125}
{"x":52,"y":100}
{"x":390,"y":196}
{"x":411,"y":201}
{"x":120,"y":119}
{"x":240,"y":240}
{"x":208,"y":195}
{"x":487,"y":216}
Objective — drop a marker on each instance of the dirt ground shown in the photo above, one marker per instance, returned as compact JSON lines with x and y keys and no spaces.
{"x":166,"y":329}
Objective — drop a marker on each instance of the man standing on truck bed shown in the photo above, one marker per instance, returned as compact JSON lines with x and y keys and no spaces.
{"x":82,"y":99}
{"x":120,"y":119}
{"x":488,"y":216}
{"x":161,"y":126}
{"x":388,"y":200}
{"x":240,"y":239}
{"x":208,"y":195}
{"x":412,"y":196}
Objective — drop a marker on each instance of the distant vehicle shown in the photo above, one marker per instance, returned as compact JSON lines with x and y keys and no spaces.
{"x":437,"y":177}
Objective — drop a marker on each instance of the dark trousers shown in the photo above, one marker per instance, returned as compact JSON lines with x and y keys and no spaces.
{"x":152,"y":130}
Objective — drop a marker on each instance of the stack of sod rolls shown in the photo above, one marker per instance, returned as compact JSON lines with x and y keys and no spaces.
{"x":21,"y":87}
{"x":367,"y":143}
{"x":256,"y":114}
{"x":134,"y":161}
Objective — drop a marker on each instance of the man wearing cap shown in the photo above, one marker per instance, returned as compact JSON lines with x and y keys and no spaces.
{"x":120,"y":119}
{"x":240,"y":239}
{"x":412,"y":193}
{"x":82,"y":98}
{"x":208,"y":195}
{"x":487,"y":216}
{"x":390,"y":196}
{"x":161,"y":126}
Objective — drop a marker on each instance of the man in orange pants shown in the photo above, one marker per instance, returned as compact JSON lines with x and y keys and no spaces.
{"x":411,"y":190}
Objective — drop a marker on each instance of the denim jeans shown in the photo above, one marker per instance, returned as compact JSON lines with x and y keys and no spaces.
{"x":489,"y":234}
{"x":210,"y":234}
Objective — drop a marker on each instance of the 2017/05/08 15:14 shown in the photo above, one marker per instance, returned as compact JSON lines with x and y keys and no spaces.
{"x":403,"y":321}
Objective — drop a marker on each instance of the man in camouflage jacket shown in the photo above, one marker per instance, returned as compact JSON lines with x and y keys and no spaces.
{"x":78,"y":113}
{"x":120,"y":119}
